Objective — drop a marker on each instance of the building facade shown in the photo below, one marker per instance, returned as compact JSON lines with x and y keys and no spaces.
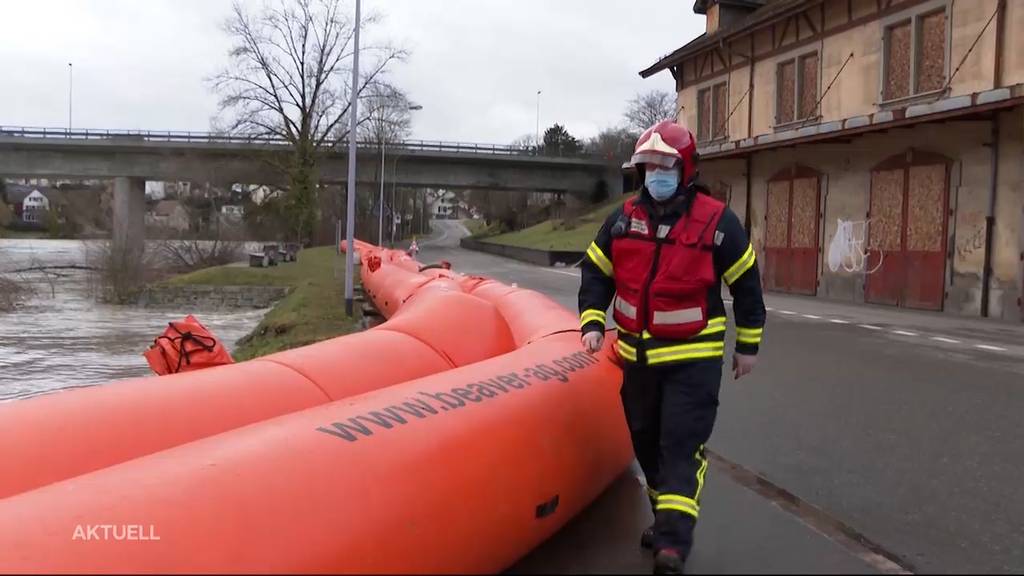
{"x":873,"y":147}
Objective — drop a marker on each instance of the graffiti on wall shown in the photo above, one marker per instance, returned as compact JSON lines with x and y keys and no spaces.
{"x":847,"y":250}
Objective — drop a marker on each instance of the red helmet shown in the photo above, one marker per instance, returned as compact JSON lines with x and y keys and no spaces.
{"x":665,"y":144}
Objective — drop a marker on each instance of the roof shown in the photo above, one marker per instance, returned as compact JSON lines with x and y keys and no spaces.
{"x":769,"y":10}
{"x":701,"y":6}
{"x":16,"y":193}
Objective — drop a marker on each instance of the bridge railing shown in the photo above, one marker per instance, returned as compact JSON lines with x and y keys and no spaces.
{"x":213,"y":137}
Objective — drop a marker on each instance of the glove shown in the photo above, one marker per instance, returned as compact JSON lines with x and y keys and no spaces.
{"x":593,"y":341}
{"x":742,"y":364}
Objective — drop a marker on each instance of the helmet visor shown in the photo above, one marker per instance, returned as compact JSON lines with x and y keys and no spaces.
{"x":657,"y":159}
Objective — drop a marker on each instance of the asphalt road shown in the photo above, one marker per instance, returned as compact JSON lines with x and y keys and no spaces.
{"x":904,"y":427}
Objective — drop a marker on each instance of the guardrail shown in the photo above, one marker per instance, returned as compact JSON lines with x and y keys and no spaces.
{"x":213,"y":137}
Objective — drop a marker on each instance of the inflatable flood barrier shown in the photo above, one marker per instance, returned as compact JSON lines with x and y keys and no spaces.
{"x":464,"y":470}
{"x":57,"y":436}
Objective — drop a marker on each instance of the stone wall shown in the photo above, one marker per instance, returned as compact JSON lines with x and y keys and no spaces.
{"x":531,"y":255}
{"x":201,"y":297}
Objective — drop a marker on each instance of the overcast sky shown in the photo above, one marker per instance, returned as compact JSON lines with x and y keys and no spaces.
{"x":475,"y":65}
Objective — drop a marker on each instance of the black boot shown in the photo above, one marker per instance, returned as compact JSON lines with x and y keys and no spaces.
{"x":647,"y":539}
{"x":668,"y":561}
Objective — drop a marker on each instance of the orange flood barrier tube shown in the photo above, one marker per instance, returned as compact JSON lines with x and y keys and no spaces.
{"x":465,"y":470}
{"x":57,"y":436}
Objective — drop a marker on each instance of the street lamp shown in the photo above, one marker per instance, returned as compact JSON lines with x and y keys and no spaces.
{"x":350,"y":203}
{"x":383,"y":146}
{"x":537,"y":142}
{"x":69,"y":95}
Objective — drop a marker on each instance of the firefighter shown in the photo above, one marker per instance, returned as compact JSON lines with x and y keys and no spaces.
{"x":659,"y":262}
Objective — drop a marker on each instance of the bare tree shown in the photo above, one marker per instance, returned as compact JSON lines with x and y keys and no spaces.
{"x":289,"y":78}
{"x":388,"y":120}
{"x":527,"y":142}
{"x":388,"y":116}
{"x":613,"y":144}
{"x":648,"y":108}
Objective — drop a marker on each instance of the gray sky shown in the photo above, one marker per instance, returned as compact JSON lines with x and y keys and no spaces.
{"x":475,"y":65}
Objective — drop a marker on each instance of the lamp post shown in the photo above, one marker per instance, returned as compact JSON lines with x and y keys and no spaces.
{"x":70,"y":78}
{"x":383,"y":147}
{"x":352,"y":148}
{"x":537,"y":142}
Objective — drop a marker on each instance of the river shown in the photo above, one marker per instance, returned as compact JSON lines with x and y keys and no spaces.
{"x":61,"y":337}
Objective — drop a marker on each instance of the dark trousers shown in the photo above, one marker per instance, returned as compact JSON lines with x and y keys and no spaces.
{"x":671,"y":411}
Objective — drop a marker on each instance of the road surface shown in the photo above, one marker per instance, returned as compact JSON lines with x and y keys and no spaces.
{"x":867,"y":439}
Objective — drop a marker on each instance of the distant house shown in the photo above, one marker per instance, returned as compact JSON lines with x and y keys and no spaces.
{"x":30,"y":204}
{"x":257,"y":193}
{"x":445,"y":204}
{"x":155,"y":190}
{"x":231,"y":214}
{"x":160,"y":190}
{"x":168,"y":214}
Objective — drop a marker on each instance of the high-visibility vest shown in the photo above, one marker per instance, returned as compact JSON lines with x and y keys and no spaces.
{"x":663,"y":273}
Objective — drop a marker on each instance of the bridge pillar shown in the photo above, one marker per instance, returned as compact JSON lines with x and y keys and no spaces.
{"x":129,"y":223}
{"x":613,"y":178}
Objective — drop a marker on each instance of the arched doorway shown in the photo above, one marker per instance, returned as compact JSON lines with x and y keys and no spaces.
{"x":791,"y":231}
{"x":907,"y":223}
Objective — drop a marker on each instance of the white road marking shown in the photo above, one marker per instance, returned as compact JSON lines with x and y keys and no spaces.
{"x":573,"y":274}
{"x":904,"y":333}
{"x":786,"y":312}
{"x":811,"y":316}
{"x":730,"y":302}
{"x":869,"y":326}
{"x":944,"y":339}
{"x":837,"y":321}
{"x":769,"y":308}
{"x":987,"y":347}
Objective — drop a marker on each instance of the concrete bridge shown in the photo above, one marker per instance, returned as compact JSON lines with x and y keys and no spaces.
{"x":130,"y":158}
{"x":203,"y":157}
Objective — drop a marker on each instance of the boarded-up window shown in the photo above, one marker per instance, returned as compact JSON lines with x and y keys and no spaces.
{"x":897,"y":61}
{"x":797,"y":89}
{"x":886,"y":210}
{"x":925,"y":207}
{"x":931,"y":55}
{"x":721,"y":111}
{"x":787,"y":90}
{"x":808,"y":86}
{"x":915,"y":56}
{"x":712,"y":111}
{"x":704,"y":115}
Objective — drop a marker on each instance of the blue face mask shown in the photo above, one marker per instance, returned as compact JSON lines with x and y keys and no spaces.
{"x":662,"y":184}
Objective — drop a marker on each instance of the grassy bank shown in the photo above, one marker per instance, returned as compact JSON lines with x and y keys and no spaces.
{"x":558,"y":234}
{"x":23,"y":234}
{"x":314,"y":309}
{"x":475,"y":226}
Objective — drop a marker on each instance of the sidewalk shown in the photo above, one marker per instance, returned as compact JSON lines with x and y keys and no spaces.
{"x":739,"y":532}
{"x":932,"y":328}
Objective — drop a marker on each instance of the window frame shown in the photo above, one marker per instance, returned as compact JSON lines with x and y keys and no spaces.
{"x":914,"y":16}
{"x":798,"y":80}
{"x":710,"y":88}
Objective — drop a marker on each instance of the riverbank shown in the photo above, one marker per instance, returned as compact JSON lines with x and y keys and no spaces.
{"x":60,"y":336}
{"x":7,"y":233}
{"x":313,"y":310}
{"x":569,"y":234}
